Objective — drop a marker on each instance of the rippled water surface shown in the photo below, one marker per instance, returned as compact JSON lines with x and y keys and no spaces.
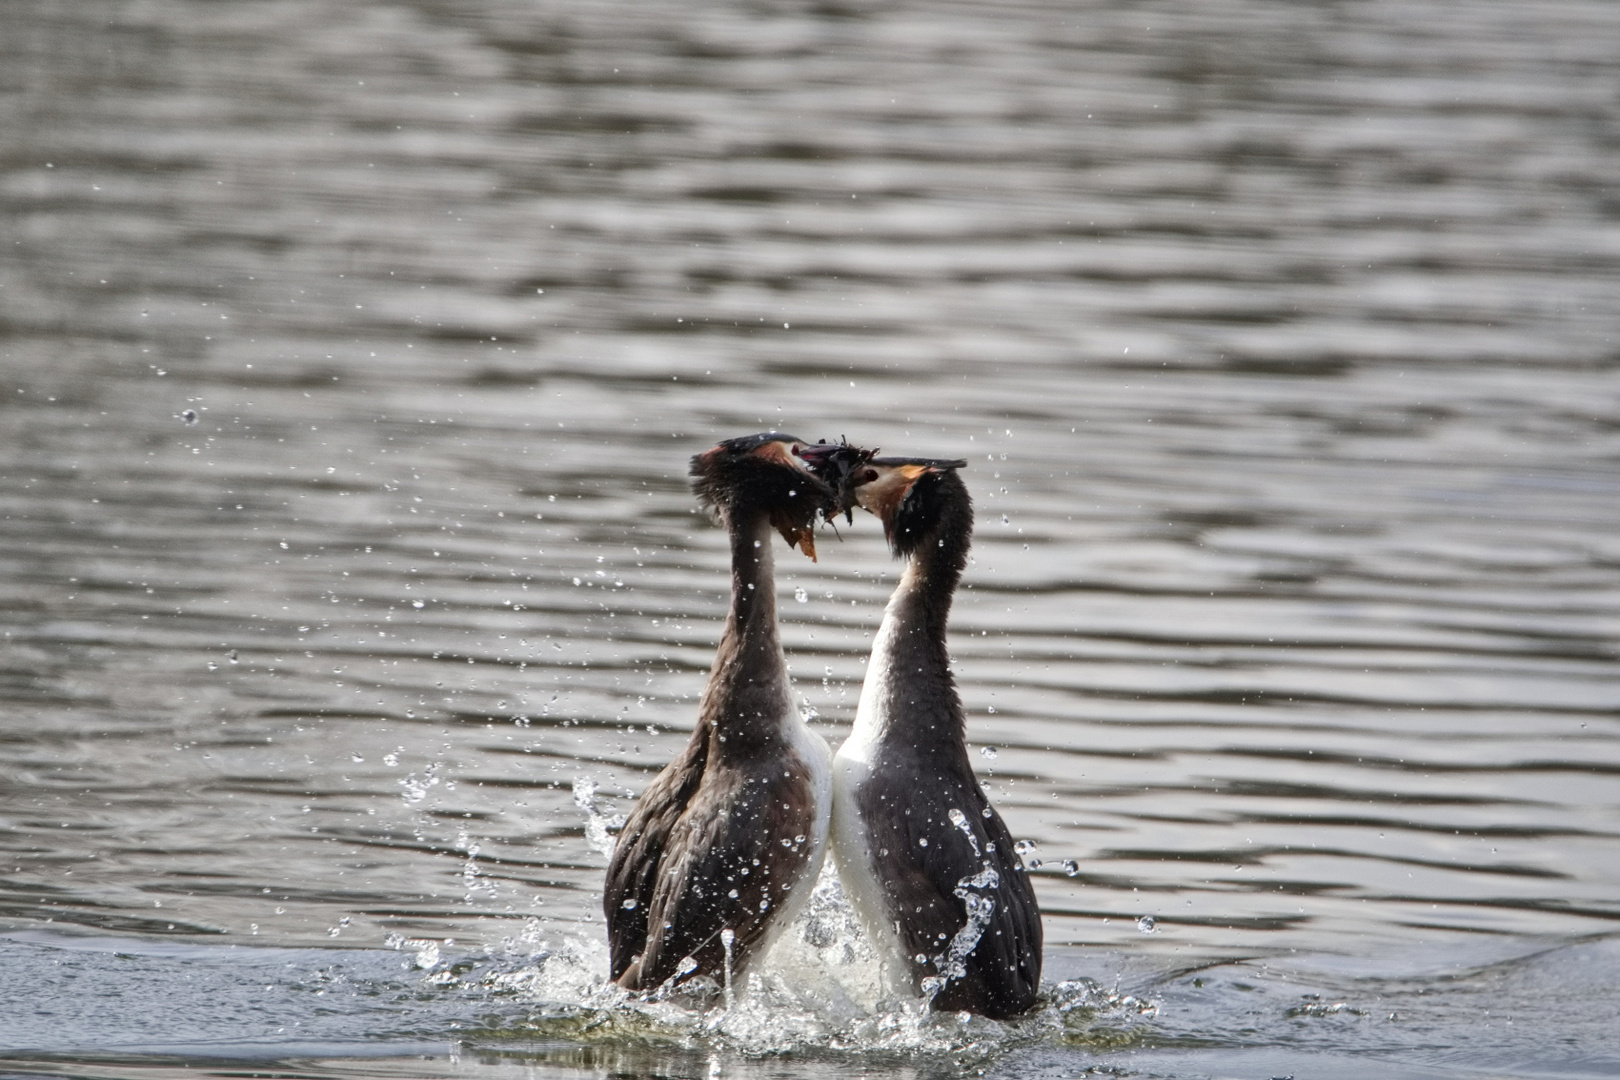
{"x":350,"y":360}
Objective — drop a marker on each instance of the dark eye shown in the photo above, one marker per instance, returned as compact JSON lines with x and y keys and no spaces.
{"x":868,"y":476}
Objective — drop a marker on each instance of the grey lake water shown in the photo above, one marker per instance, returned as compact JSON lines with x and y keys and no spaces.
{"x":351,"y":356}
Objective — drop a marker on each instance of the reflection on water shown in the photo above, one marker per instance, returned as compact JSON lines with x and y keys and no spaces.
{"x":350,"y":358}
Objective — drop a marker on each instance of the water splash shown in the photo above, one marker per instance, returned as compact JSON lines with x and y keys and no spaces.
{"x":980,"y":908}
{"x":821,"y":987}
{"x":599,"y":827}
{"x":471,"y":875}
{"x":728,"y":937}
{"x":427,"y":949}
{"x":416,"y":789}
{"x":960,"y":820}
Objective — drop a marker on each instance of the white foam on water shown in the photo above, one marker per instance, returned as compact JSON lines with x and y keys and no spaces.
{"x":821,"y":987}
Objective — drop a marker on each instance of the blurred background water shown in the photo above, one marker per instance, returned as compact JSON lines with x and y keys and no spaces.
{"x":351,"y":357}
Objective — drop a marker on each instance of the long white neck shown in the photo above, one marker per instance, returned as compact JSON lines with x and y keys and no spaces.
{"x":908,"y":701}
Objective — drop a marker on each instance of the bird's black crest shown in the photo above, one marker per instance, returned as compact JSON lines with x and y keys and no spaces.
{"x":733,"y":473}
{"x":936,"y":498}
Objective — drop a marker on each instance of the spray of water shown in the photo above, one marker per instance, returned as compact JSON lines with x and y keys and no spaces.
{"x":977,"y":906}
{"x":962,"y":824}
{"x":728,"y":938}
{"x":952,"y":963}
{"x":599,"y":827}
{"x":823,"y":985}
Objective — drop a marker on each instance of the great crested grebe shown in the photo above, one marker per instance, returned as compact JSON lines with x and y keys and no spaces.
{"x":723,"y":848}
{"x":927,"y":862}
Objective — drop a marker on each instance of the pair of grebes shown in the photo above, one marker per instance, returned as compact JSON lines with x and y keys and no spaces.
{"x":723,"y":848}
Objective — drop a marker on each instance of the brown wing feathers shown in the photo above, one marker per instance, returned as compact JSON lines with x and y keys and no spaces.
{"x":922,"y":858}
{"x":726,"y":860}
{"x":632,"y":874}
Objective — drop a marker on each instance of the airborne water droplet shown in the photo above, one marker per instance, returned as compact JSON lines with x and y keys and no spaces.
{"x":801,"y":596}
{"x":1146,"y":924}
{"x":960,"y":820}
